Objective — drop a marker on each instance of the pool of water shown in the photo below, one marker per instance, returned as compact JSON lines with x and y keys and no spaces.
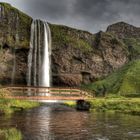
{"x":58,"y":122}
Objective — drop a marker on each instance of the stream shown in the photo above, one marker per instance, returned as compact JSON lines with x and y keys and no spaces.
{"x":58,"y":122}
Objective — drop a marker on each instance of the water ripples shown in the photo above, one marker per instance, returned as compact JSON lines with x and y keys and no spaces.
{"x":57,"y":122}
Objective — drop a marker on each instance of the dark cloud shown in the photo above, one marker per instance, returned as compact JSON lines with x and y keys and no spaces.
{"x":47,"y":8}
{"x":91,"y":15}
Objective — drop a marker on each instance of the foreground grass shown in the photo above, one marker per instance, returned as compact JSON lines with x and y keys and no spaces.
{"x":70,"y":103}
{"x":121,"y":104}
{"x":10,"y":134}
{"x":8,"y":106}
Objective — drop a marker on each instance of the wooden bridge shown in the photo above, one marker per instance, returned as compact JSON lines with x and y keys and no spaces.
{"x":46,"y":93}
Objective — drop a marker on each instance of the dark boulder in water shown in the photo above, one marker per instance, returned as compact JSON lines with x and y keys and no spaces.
{"x":83,"y":105}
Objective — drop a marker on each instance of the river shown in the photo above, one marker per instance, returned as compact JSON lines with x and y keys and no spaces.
{"x":58,"y":122}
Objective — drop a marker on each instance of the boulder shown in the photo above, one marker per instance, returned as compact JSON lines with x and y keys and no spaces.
{"x":83,"y":105}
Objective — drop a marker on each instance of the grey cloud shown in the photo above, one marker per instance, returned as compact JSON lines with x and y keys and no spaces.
{"x":91,"y":15}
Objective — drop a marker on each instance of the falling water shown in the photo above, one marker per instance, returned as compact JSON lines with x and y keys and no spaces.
{"x":14,"y":68}
{"x":30,"y":55}
{"x":46,"y":60}
{"x":13,"y":81}
{"x":39,"y":55}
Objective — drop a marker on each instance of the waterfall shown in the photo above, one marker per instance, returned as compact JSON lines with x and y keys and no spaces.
{"x":46,"y":61}
{"x":39,"y":55}
{"x":14,"y":68}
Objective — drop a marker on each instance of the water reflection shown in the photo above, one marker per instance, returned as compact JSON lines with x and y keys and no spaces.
{"x":57,"y":122}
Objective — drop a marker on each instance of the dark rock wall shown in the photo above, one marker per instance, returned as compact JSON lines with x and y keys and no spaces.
{"x":79,"y":57}
{"x":14,"y":40}
{"x":124,"y":30}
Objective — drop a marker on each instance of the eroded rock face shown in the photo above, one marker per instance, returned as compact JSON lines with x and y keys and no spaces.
{"x":13,"y":66}
{"x":75,"y":65}
{"x":14,"y":44}
{"x":124,"y":30}
{"x":14,"y":27}
{"x":78,"y":57}
{"x":6,"y":66}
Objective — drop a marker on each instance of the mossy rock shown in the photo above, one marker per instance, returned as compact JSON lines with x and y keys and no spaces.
{"x":14,"y":27}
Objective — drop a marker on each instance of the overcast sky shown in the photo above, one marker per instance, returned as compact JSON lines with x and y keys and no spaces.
{"x":90,"y":15}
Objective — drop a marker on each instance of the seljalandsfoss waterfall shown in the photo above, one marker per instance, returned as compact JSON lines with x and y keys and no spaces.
{"x":39,"y":55}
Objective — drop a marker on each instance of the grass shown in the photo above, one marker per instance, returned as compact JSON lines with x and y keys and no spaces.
{"x":24,"y":22}
{"x":134,"y":50}
{"x":65,"y":36}
{"x":115,"y":104}
{"x":124,"y":82}
{"x":10,"y":134}
{"x":8,"y":106}
{"x":70,"y":103}
{"x":123,"y":105}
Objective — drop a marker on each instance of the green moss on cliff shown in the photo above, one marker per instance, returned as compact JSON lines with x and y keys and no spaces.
{"x":15,"y":26}
{"x":66,"y":36}
{"x":125,"y":81}
{"x":6,"y":5}
{"x":133,"y":46}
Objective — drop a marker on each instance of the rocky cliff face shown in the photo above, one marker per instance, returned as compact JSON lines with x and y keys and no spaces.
{"x":78,"y":57}
{"x":14,"y":44}
{"x":128,"y":34}
{"x":14,"y":27}
{"x":124,"y":30}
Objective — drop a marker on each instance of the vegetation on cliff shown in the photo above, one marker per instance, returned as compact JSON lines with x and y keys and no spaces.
{"x":65,"y":36}
{"x":14,"y":27}
{"x":125,"y":81}
{"x":133,"y":47}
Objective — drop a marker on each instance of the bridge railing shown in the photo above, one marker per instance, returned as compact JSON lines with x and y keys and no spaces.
{"x":58,"y":92}
{"x":51,"y":90}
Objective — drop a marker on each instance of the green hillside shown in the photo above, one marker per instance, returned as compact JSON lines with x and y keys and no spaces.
{"x":125,"y":81}
{"x":133,"y":47}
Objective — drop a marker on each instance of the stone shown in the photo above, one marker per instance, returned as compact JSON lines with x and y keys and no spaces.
{"x":124,"y":30}
{"x":83,"y":105}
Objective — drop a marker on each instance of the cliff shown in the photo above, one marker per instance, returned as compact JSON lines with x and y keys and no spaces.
{"x":125,"y":82}
{"x":14,"y":44}
{"x":78,"y":57}
{"x":124,"y":30}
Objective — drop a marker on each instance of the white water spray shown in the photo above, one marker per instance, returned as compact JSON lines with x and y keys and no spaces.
{"x":46,"y":59}
{"x":39,"y":55}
